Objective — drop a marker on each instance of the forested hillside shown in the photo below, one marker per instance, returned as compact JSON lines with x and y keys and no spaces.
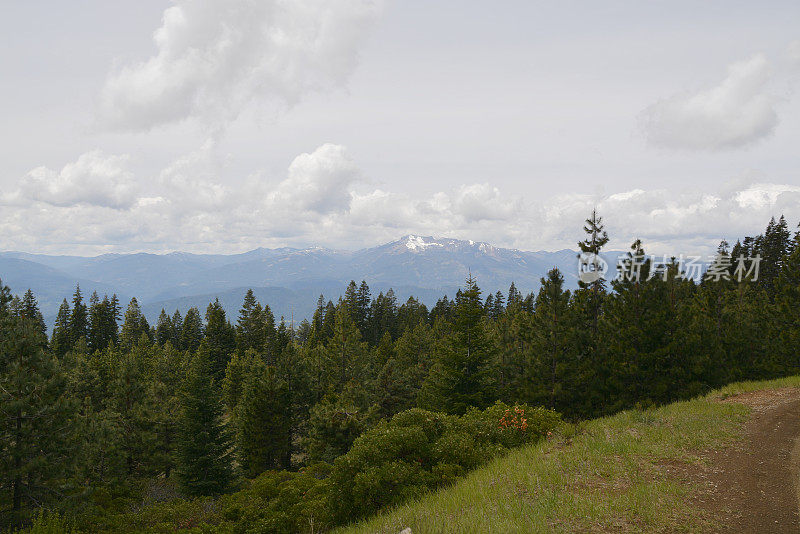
{"x":245,"y":424}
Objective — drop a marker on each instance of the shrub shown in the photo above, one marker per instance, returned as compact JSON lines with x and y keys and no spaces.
{"x":419,"y":450}
{"x":50,"y":523}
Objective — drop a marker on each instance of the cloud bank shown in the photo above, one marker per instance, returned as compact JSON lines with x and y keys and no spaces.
{"x":92,"y":205}
{"x":214,"y":58}
{"x":736,"y":113}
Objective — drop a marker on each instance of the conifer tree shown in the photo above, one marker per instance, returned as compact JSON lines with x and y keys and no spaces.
{"x":30,"y":310}
{"x":443,"y":309}
{"x":203,"y":462}
{"x":461,"y":376}
{"x":351,"y":300}
{"x":381,"y":317}
{"x":255,"y":328}
{"x":5,"y":300}
{"x":410,"y":314}
{"x":34,"y":415}
{"x":514,"y":296}
{"x":773,"y":247}
{"x":488,"y":306}
{"x":345,"y":349}
{"x":94,"y":335}
{"x":399,"y":380}
{"x":498,"y":308}
{"x":177,"y":330}
{"x":239,"y":368}
{"x":60,"y":342}
{"x":129,"y":397}
{"x":591,"y":247}
{"x":317,"y":321}
{"x":166,"y":371}
{"x":164,"y":328}
{"x":552,"y":340}
{"x":134,"y":326}
{"x":78,"y":319}
{"x":787,"y":316}
{"x":362,"y":312}
{"x":192,"y":331}
{"x":220,"y":339}
{"x":263,"y":420}
{"x":112,"y":313}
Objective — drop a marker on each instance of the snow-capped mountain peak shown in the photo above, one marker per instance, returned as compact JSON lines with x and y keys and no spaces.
{"x":418,"y":243}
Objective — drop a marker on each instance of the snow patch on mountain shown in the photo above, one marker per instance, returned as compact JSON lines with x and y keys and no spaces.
{"x":418,"y":243}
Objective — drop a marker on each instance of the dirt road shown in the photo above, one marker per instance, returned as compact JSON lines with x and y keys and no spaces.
{"x":752,"y":487}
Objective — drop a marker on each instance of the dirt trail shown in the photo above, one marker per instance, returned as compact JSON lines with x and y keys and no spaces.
{"x":752,"y":487}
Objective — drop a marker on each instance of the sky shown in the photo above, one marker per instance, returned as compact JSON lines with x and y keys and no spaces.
{"x":222,"y":126}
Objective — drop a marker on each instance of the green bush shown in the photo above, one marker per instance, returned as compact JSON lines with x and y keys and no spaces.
{"x":51,"y":523}
{"x":419,"y":450}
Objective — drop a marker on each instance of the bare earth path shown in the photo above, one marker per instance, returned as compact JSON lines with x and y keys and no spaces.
{"x":752,"y":487}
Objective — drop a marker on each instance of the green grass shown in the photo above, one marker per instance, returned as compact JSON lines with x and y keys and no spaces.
{"x":603,"y":475}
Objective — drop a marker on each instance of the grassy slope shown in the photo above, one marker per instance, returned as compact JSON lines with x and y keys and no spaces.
{"x":599,"y":476}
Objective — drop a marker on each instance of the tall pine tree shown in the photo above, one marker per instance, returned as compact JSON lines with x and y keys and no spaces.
{"x":462,"y":375}
{"x":204,"y":443}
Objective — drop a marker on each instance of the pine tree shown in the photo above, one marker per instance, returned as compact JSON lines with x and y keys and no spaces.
{"x":60,"y":342}
{"x":111,"y":318}
{"x":773,"y":249}
{"x":30,"y":310}
{"x":164,"y":328}
{"x":382,"y":317}
{"x":498,"y":308}
{"x":410,"y":314}
{"x":552,"y":340}
{"x":177,"y":331}
{"x":400,"y":379}
{"x":514,"y":296}
{"x":135,"y":325}
{"x":787,"y":323}
{"x":166,"y":371}
{"x":78,"y":320}
{"x":34,"y":414}
{"x":220,"y":339}
{"x":317,"y":321}
{"x":591,"y":247}
{"x":351,"y":300}
{"x":129,"y":397}
{"x":192,"y":331}
{"x":5,"y":300}
{"x":239,"y":369}
{"x":95,"y":335}
{"x":263,"y":420}
{"x":203,"y":463}
{"x":488,"y":306}
{"x":346,"y":349}
{"x":255,"y":328}
{"x":362,"y":312}
{"x":461,"y":377}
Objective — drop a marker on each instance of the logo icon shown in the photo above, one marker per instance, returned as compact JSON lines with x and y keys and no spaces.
{"x":591,"y":267}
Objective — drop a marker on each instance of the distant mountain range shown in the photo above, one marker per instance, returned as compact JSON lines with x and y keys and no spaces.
{"x":289,"y":280}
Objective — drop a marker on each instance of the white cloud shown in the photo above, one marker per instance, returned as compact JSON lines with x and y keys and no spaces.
{"x":758,"y":196}
{"x":482,"y":202}
{"x":736,"y":113}
{"x":95,"y":178}
{"x":215,"y":58}
{"x":91,"y":206}
{"x":318,"y":182}
{"x":192,"y":180}
{"x":793,"y":53}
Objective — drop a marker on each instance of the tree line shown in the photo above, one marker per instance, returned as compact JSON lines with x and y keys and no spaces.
{"x":96,"y":415}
